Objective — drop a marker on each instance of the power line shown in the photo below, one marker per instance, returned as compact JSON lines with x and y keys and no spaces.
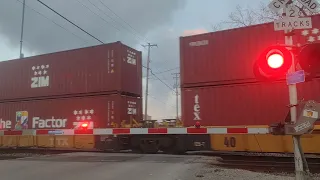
{"x":111,"y":17}
{"x":162,"y":81}
{"x":159,"y":78}
{"x":121,"y":19}
{"x":167,"y":70}
{"x":166,"y":103}
{"x":97,"y":14}
{"x":70,"y":21}
{"x":161,"y":72}
{"x":54,"y":22}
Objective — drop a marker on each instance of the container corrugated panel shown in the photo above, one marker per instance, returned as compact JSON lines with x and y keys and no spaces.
{"x":66,"y":113}
{"x":227,"y":57}
{"x":103,"y":68}
{"x":237,"y":105}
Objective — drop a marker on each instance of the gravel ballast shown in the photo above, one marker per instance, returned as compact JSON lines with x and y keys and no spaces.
{"x":217,"y":173}
{"x":202,"y":169}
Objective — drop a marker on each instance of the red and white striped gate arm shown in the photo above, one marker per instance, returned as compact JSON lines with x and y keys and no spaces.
{"x":29,"y":132}
{"x":122,"y":131}
{"x":180,"y":131}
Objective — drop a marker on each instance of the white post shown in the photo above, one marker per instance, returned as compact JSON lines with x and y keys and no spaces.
{"x":293,"y":112}
{"x":276,"y":7}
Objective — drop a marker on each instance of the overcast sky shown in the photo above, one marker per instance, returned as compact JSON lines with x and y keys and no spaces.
{"x":141,"y":21}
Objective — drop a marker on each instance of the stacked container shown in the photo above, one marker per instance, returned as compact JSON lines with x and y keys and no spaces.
{"x":100,"y":84}
{"x":218,"y":84}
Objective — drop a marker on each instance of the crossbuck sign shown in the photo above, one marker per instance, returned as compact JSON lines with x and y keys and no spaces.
{"x":292,"y":19}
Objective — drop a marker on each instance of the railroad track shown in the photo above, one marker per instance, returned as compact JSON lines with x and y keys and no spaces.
{"x":267,"y":164}
{"x":253,"y":162}
{"x":223,"y":154}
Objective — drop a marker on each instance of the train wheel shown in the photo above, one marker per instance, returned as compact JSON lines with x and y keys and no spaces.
{"x":149,"y":146}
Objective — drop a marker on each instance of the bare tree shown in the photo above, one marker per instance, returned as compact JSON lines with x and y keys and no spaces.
{"x":250,"y":16}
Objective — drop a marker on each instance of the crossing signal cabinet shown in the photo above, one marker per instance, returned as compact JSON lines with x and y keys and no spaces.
{"x":308,"y":115}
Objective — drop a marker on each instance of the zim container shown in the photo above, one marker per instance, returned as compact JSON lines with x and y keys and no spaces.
{"x":227,"y":57}
{"x":67,"y":113}
{"x":242,"y":105}
{"x":96,"y":69}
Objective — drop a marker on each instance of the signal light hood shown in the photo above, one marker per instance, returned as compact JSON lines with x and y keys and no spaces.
{"x":309,"y":59}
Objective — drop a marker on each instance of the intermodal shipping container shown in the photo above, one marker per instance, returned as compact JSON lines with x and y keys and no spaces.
{"x":227,"y":56}
{"x":103,"y":68}
{"x":246,"y":104}
{"x":68,"y":113}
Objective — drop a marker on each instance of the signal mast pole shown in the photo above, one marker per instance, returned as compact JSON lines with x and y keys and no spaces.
{"x":147,"y":80}
{"x":288,"y":24}
{"x":293,"y":98}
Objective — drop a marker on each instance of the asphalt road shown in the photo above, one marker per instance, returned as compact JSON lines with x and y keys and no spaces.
{"x":96,"y":166}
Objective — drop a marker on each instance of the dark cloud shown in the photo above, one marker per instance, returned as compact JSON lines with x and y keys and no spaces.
{"x":42,"y":35}
{"x":47,"y":32}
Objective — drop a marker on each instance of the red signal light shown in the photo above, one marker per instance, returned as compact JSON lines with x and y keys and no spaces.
{"x":197,"y":125}
{"x":273,"y":63}
{"x":84,"y":125}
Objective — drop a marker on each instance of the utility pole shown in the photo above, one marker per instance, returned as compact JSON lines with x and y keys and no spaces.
{"x":176,"y":86}
{"x":22,"y":26}
{"x":149,"y":45}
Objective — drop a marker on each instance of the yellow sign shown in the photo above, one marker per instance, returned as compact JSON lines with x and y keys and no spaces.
{"x":309,"y":113}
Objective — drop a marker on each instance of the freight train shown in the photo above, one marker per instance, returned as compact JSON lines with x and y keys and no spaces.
{"x":91,"y":98}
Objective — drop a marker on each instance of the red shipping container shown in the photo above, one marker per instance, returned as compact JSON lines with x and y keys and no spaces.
{"x":66,"y":113}
{"x":103,"y":68}
{"x":226,"y":57}
{"x":247,"y":104}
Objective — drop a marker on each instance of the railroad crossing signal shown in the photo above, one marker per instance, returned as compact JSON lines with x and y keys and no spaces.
{"x":275,"y":61}
{"x":306,"y":57}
